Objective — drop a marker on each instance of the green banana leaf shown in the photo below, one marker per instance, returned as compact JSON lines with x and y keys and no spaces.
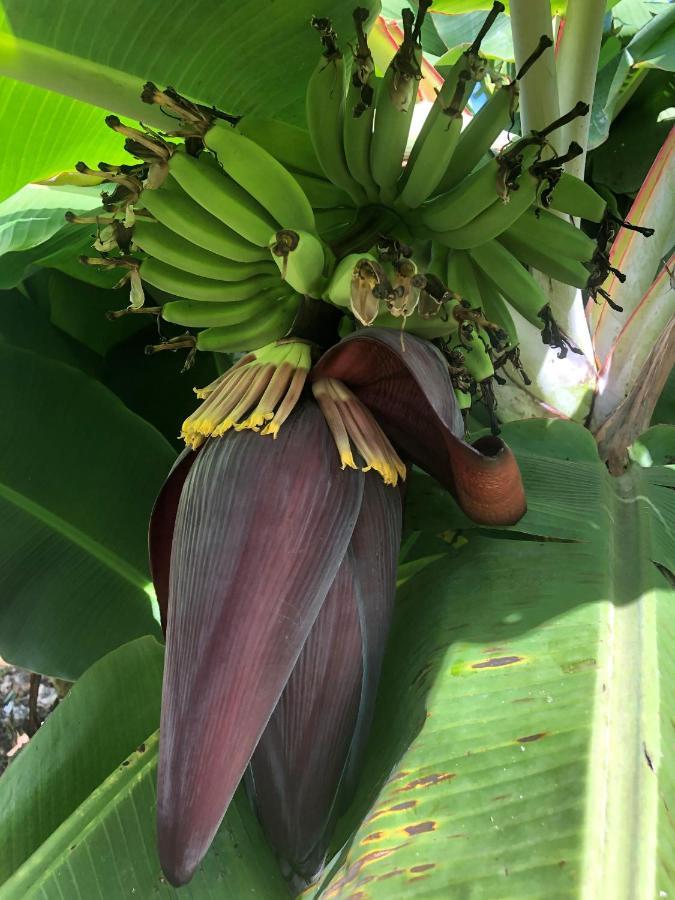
{"x":34,"y":233}
{"x":78,"y":475}
{"x":77,"y":806}
{"x":522,"y":745}
{"x":66,"y":70}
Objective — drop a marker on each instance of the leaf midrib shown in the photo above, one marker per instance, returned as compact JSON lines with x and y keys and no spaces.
{"x":65,"y":529}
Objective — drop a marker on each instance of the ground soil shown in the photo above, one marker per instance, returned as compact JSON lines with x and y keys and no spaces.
{"x":16,"y":726}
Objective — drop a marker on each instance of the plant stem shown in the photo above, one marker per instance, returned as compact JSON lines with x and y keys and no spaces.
{"x":539,"y":106}
{"x":79,"y":78}
{"x":577,"y":63}
{"x":530,"y":19}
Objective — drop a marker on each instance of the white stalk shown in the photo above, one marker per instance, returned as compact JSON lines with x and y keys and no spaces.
{"x":539,"y":87}
{"x":577,"y":63}
{"x":539,"y":106}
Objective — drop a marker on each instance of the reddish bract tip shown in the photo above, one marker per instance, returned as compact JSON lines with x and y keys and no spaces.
{"x":410,"y":393}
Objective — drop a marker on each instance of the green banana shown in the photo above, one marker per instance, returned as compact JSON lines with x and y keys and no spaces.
{"x":332,"y":223}
{"x":252,"y":335}
{"x":577,"y":198}
{"x":423,"y":175}
{"x":463,"y":399}
{"x":479,"y":190}
{"x":442,"y":325}
{"x":461,"y":278}
{"x":192,"y":287}
{"x":511,"y":278}
{"x":562,"y":268}
{"x":359,"y":110}
{"x":168,"y":247}
{"x":553,"y":234}
{"x":490,"y":121}
{"x":324,"y":102}
{"x":339,"y":288}
{"x":291,"y":145}
{"x":323,"y":194}
{"x":435,"y":145}
{"x":496,"y":218}
{"x":395,"y":105}
{"x":496,"y":309}
{"x":302,"y":258}
{"x":473,"y":347}
{"x":221,"y":196}
{"x":195,"y":314}
{"x":171,"y":206}
{"x":261,"y":175}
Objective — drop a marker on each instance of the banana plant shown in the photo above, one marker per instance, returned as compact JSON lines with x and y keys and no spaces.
{"x":252,"y":712}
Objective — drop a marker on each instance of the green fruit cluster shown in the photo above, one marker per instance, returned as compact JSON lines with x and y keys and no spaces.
{"x":246,"y":220}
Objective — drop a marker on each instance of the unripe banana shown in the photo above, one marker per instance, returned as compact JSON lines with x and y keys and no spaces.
{"x":262,"y":176}
{"x":192,"y":287}
{"x":423,"y":173}
{"x":221,"y":196}
{"x":339,"y":288}
{"x":195,"y":314}
{"x":325,"y":111}
{"x":442,"y":325}
{"x":496,"y":309}
{"x":463,"y":399}
{"x":490,"y":121}
{"x":168,"y":247}
{"x":394,"y":109}
{"x":477,"y":192}
{"x":171,"y":206}
{"x":573,"y":196}
{"x":291,"y":145}
{"x":496,"y":218}
{"x":253,"y":334}
{"x":475,"y":141}
{"x":477,"y":360}
{"x":332,"y":223}
{"x":323,"y":194}
{"x":359,"y":111}
{"x":562,"y":268}
{"x":554,"y":235}
{"x":512,"y":279}
{"x":461,"y":278}
{"x":302,"y":258}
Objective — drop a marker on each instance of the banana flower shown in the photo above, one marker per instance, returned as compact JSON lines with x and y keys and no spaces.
{"x":273,"y":553}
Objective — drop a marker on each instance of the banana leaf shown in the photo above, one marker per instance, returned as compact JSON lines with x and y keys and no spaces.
{"x":77,"y":806}
{"x":78,"y":475}
{"x":522,"y":744}
{"x":66,"y":70}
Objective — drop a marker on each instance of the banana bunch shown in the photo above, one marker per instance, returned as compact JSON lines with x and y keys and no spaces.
{"x":237,"y":254}
{"x":255,"y":228}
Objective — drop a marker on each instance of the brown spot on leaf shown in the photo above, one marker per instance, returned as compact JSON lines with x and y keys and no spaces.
{"x":406,"y":804}
{"x":141,"y":748}
{"x":497,"y":661}
{"x":355,"y":868}
{"x":417,"y":878}
{"x":423,"y":868}
{"x":563,"y":862}
{"x":420,"y":828}
{"x":426,"y":781}
{"x":396,"y":776}
{"x":390,"y":874}
{"x":373,"y":836}
{"x":502,"y":797}
{"x":523,"y":700}
{"x":532,"y":737}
